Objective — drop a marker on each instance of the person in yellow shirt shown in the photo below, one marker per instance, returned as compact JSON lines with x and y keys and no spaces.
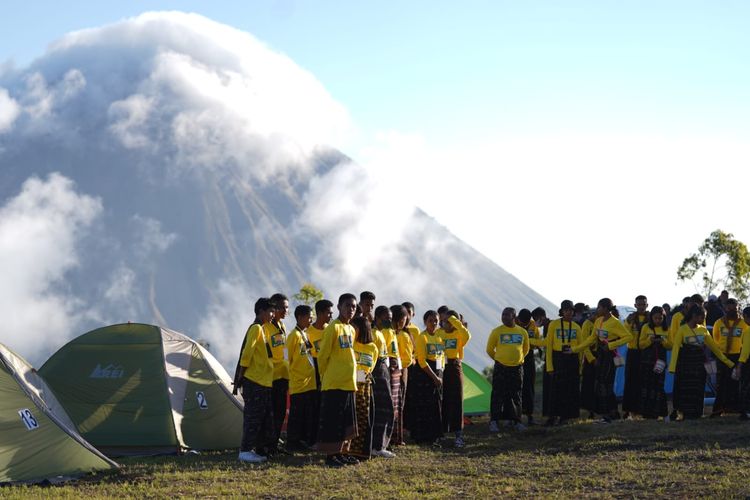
{"x":323,"y":315}
{"x":654,"y":344}
{"x":255,"y":374}
{"x":276,"y":333}
{"x":529,"y":363}
{"x":455,"y":336}
{"x":588,"y":368}
{"x":366,"y":354}
{"x":608,"y":335}
{"x":413,"y":331}
{"x":539,"y":316}
{"x":383,"y":417}
{"x":338,"y":373}
{"x":727,"y":332}
{"x":426,"y":383}
{"x":398,"y":389}
{"x":689,"y":361}
{"x":367,"y":304}
{"x":562,"y":363}
{"x":743,"y":373}
{"x":631,"y":397}
{"x":507,"y":346}
{"x":302,"y":426}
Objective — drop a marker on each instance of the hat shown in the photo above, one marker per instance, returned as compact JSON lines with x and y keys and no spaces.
{"x":712,"y":298}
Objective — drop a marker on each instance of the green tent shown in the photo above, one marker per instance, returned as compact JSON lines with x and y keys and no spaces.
{"x":37,"y":440}
{"x":135,"y":389}
{"x":476,"y":392}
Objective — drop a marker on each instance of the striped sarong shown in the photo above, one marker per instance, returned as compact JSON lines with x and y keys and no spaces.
{"x":427,"y":424}
{"x":453,"y":396}
{"x":382,"y":413}
{"x":397,"y":436}
{"x":691,"y":391}
{"x":361,"y":445}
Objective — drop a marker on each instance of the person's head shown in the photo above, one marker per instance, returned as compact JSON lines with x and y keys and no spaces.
{"x":367,"y":303}
{"x":697,"y":299}
{"x":695,"y":314}
{"x":566,"y":310}
{"x":579,"y":310}
{"x":523,"y":318}
{"x":730,"y":308}
{"x":400,"y":316}
{"x":686,"y":301}
{"x":363,"y":330}
{"x":539,"y":314}
{"x":746,"y":315}
{"x":431,"y":320}
{"x":641,"y":304}
{"x":409,"y":308}
{"x":508,"y":316}
{"x":303,"y":315}
{"x":443,"y":313}
{"x":347,"y":306}
{"x":323,"y":311}
{"x":723,"y":296}
{"x":446,"y":324}
{"x":604,"y":307}
{"x":657,"y":318}
{"x":666,"y":308}
{"x":264,"y":310}
{"x":383,"y":317}
{"x":281,"y":302}
{"x":358,"y":311}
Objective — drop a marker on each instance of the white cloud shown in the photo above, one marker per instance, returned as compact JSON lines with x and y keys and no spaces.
{"x":9,"y":110}
{"x":151,"y":240}
{"x":39,"y":230}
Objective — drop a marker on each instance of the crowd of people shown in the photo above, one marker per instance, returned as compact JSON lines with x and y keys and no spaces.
{"x":359,"y":385}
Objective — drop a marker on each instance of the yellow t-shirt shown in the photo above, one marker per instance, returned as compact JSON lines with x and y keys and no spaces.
{"x":276,"y":337}
{"x":508,"y":345}
{"x":429,"y":348}
{"x":338,"y":368}
{"x":379,"y":339}
{"x":413,"y":332}
{"x":301,"y":369}
{"x":745,"y":352}
{"x":560,"y":333}
{"x":698,"y":336}
{"x":635,"y":326}
{"x":405,"y":348}
{"x":455,"y":341}
{"x":535,"y":334}
{"x":720,"y":334}
{"x":366,"y":356}
{"x":648,"y":334}
{"x":255,"y":357}
{"x":391,"y":342}
{"x":586,"y":330}
{"x":610,"y":330}
{"x":675,"y":325}
{"x":314,"y":336}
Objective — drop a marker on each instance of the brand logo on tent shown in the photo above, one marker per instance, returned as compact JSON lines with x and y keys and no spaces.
{"x":109,"y":371}
{"x":202,"y":401}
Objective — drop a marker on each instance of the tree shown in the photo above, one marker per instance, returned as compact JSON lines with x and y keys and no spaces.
{"x":308,"y":294}
{"x":723,"y":262}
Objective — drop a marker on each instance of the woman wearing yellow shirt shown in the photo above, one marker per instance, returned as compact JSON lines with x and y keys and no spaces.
{"x":338,"y":372}
{"x":413,"y":331}
{"x":689,"y":359}
{"x":631,"y":397}
{"x":588,"y":369}
{"x":383,"y":418}
{"x":654,"y":343}
{"x":507,"y":345}
{"x":366,"y":353}
{"x":426,"y":385}
{"x":727,"y":332}
{"x":529,"y":363}
{"x":744,"y":373}
{"x":455,"y":337}
{"x":302,"y":425}
{"x":563,"y":338}
{"x":398,"y":389}
{"x":608,"y":334}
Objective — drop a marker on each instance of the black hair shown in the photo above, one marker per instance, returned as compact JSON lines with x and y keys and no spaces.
{"x":524,"y":316}
{"x":732,"y":301}
{"x":263,"y":304}
{"x":657,"y":310}
{"x":408,"y":305}
{"x":511,"y":309}
{"x":363,"y":328}
{"x":697,"y":298}
{"x":746,"y":311}
{"x":346,"y":296}
{"x":538,"y":312}
{"x":322,"y":305}
{"x":398,"y":311}
{"x":605,"y":302}
{"x":278,"y":299}
{"x":302,"y":310}
{"x":428,"y":314}
{"x":366,"y":295}
{"x":443,"y":309}
{"x":693,"y":311}
{"x":451,"y":312}
{"x":579,"y":307}
{"x":641,"y":297}
{"x":566,"y":304}
{"x":380,"y":310}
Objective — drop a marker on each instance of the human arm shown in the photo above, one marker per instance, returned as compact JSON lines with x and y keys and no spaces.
{"x":711,"y":343}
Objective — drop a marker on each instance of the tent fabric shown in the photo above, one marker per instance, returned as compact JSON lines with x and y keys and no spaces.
{"x":477,"y":392}
{"x":36,"y":444}
{"x":136,"y":389}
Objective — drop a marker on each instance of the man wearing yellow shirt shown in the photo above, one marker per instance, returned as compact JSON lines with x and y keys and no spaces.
{"x":727,"y":332}
{"x":529,"y":363}
{"x":632,"y":392}
{"x":256,"y":378}
{"x":302,"y":427}
{"x":562,"y":363}
{"x":507,"y":345}
{"x":455,"y":336}
{"x":367,"y":304}
{"x":276,"y":333}
{"x":338,"y":371}
{"x":323,"y":315}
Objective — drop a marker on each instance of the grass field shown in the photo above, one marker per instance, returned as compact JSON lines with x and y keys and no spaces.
{"x":706,"y":458}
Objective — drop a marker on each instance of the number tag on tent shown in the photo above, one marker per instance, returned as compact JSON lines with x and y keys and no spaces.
{"x":28,"y":419}
{"x":202,"y":402}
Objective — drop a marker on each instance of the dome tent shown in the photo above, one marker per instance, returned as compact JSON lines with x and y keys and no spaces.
{"x":37,"y":439}
{"x":136,"y":389}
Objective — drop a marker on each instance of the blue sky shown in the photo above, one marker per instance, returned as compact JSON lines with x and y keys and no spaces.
{"x":625,"y":110}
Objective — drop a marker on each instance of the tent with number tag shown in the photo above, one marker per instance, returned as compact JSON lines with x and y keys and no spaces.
{"x":38,"y":442}
{"x":135,"y":389}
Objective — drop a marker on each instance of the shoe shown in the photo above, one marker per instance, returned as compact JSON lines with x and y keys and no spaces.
{"x":550,"y":422}
{"x":333,"y":461}
{"x":348,"y":459}
{"x":459,"y":443}
{"x":493,"y":426}
{"x":383,"y":453}
{"x":520,"y":427}
{"x":251,"y":457}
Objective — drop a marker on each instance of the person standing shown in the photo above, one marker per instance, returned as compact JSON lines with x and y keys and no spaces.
{"x":338,"y":371}
{"x":562,"y":363}
{"x":383,"y":416}
{"x":427,"y":383}
{"x":727,"y":332}
{"x":654,"y":344}
{"x":529,"y":363}
{"x":276,"y":332}
{"x":588,"y":369}
{"x":366,"y":354}
{"x":455,"y":336}
{"x":507,"y":346}
{"x":323,"y":315}
{"x":632,"y":393}
{"x":302,"y":426}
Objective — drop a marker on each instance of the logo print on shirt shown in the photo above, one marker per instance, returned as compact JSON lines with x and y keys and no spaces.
{"x":451,"y":343}
{"x":511,"y":338}
{"x":277,"y":340}
{"x":603,"y":334}
{"x":364,"y":359}
{"x":345,"y":341}
{"x":559,"y":333}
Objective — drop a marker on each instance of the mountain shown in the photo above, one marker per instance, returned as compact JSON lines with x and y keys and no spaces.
{"x":169,"y":169}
